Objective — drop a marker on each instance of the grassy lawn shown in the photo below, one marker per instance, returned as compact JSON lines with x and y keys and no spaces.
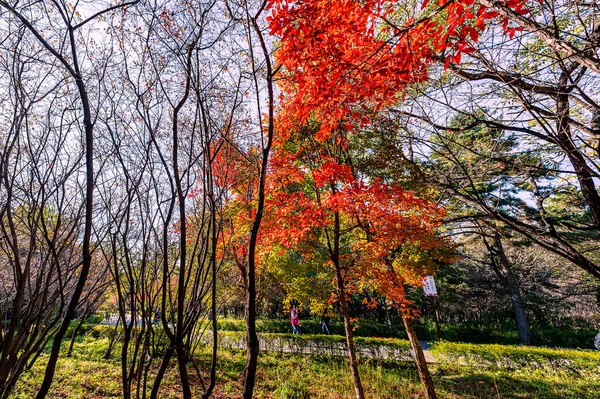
{"x":88,"y":375}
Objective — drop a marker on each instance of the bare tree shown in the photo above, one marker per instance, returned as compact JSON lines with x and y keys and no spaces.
{"x":179,"y":99}
{"x":40,"y":208}
{"x":58,"y":29}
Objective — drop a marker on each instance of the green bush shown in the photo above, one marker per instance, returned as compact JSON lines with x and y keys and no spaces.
{"x":100,"y":330}
{"x":567,"y":337}
{"x":475,"y":333}
{"x":94,"y":319}
{"x":310,"y":326}
{"x":507,"y":334}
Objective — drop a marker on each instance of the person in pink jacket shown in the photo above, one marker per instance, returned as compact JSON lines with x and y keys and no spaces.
{"x":295,"y":319}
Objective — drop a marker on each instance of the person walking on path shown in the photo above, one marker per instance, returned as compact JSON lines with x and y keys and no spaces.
{"x":295,"y":320}
{"x":325,"y":320}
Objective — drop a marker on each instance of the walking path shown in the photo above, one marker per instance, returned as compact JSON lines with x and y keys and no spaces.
{"x":429,"y":358}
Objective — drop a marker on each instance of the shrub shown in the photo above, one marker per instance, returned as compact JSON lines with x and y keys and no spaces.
{"x":309,"y":326}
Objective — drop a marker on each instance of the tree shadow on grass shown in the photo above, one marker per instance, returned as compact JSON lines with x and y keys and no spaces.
{"x":469,"y":383}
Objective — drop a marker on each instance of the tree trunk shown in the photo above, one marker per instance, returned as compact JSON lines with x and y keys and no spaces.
{"x":182,"y":359}
{"x":358,"y":388}
{"x":112,"y":340}
{"x":161,"y":371}
{"x":73,"y":336}
{"x":436,"y":316}
{"x":124,"y":356}
{"x":251,"y":337}
{"x":213,"y":304}
{"x":419,"y":357}
{"x":505,"y":271}
{"x":180,"y":334}
{"x":87,"y":238}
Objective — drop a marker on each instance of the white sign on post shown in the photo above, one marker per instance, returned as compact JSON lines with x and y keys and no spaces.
{"x":429,"y":286}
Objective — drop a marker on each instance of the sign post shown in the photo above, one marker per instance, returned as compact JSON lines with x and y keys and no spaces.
{"x":431,"y":291}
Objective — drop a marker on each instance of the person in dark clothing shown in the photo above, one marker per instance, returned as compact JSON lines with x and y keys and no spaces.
{"x":325,"y":320}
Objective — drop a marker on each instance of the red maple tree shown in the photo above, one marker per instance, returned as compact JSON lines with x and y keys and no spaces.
{"x":376,"y":234}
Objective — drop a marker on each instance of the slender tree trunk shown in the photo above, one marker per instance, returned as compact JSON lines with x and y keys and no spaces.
{"x":213,"y":266}
{"x":519,"y":309}
{"x":180,"y":334}
{"x":502,"y":263}
{"x":87,"y":255}
{"x":358,"y":388}
{"x":183,"y":373}
{"x":419,"y":357}
{"x":112,"y":341}
{"x":124,"y":364}
{"x":436,"y":316}
{"x":161,"y":371}
{"x":333,"y":245}
{"x":251,"y":336}
{"x":73,"y":336}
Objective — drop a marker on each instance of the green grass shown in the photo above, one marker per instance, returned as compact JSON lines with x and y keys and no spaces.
{"x":85,"y":375}
{"x":464,"y":371}
{"x":510,"y":357}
